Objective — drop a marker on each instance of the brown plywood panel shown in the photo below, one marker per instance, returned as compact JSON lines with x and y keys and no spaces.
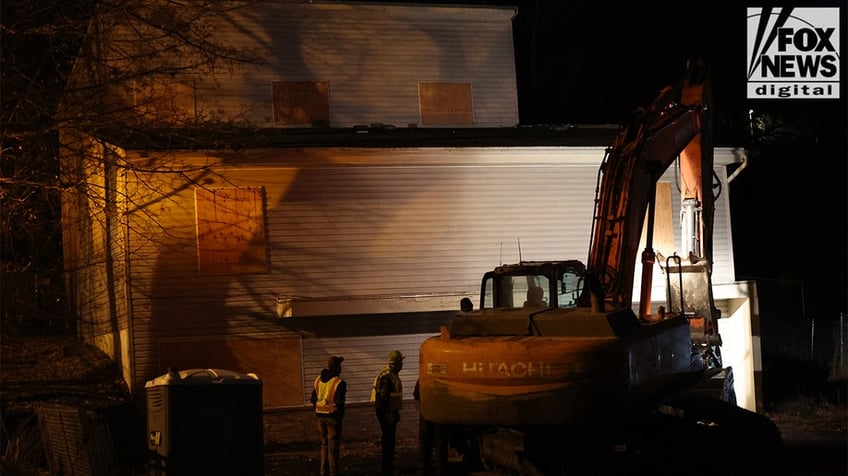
{"x":445,"y":104}
{"x":664,"y":219}
{"x":165,"y":101}
{"x":300,"y":103}
{"x":663,"y":239}
{"x":230,"y":230}
{"x":277,"y":362}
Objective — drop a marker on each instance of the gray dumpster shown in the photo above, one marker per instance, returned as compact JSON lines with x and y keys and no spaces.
{"x":205,"y":421}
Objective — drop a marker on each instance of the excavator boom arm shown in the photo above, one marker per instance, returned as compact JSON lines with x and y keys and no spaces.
{"x":671,"y":127}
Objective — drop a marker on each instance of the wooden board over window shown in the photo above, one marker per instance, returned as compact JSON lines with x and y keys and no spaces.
{"x":230,"y":230}
{"x":276,"y":361}
{"x":445,"y":104}
{"x":663,"y":239}
{"x":161,"y":101}
{"x":301,"y":103}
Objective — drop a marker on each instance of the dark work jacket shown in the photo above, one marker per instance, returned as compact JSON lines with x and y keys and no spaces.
{"x":388,"y":392}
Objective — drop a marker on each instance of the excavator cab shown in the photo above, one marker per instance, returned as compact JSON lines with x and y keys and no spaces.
{"x":548,"y":284}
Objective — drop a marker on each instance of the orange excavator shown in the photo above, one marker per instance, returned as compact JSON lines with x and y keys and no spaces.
{"x":555,"y":365}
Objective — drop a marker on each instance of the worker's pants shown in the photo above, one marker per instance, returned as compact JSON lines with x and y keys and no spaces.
{"x":388,"y":428}
{"x":330,"y":431}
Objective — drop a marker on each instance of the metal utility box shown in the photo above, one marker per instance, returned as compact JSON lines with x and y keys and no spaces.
{"x":205,"y":421}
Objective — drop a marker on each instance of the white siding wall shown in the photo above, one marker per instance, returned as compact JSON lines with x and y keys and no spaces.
{"x":364,"y":357}
{"x":365,"y":231}
{"x":373,"y":57}
{"x":400,"y":225}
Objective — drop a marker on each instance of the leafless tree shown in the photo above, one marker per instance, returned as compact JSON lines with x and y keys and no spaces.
{"x":115,"y":71}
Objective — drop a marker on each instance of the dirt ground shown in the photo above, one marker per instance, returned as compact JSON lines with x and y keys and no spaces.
{"x":814,"y":437}
{"x":357,"y":458}
{"x":57,"y":369}
{"x":814,"y":434}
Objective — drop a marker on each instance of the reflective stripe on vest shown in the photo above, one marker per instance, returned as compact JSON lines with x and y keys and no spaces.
{"x":326,"y":393}
{"x":396,"y":395}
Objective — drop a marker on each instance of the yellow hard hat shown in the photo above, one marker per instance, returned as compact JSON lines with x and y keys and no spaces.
{"x":395,"y":356}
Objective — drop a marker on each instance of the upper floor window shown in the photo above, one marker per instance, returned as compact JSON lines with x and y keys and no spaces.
{"x":230,"y":230}
{"x":445,"y":104}
{"x":164,"y":101}
{"x":301,"y":103}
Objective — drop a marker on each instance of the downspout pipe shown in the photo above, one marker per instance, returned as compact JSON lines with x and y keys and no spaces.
{"x":742,"y":157}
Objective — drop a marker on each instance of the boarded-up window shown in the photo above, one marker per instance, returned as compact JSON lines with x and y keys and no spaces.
{"x":276,"y":361}
{"x":301,"y":103}
{"x":663,"y":238}
{"x":230,"y":230}
{"x":169,"y":102}
{"x":445,"y":104}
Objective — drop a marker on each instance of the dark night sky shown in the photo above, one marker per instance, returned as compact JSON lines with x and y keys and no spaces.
{"x":589,"y":62}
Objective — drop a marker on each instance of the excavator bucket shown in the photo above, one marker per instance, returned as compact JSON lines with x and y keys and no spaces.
{"x":689,"y":293}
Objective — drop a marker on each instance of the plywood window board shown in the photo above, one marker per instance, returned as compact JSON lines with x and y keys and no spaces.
{"x":445,"y":104}
{"x":301,"y":103}
{"x":162,"y":101}
{"x":277,"y":361}
{"x":230,"y":230}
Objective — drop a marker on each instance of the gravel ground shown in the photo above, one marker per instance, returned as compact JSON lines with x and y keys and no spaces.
{"x":806,"y":455}
{"x":357,"y":458}
{"x":814,"y":431}
{"x":815,"y":438}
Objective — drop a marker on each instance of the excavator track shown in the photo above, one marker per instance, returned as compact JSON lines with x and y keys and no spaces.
{"x":690,"y":434}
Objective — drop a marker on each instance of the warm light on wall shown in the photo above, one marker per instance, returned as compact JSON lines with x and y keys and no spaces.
{"x":284,"y":307}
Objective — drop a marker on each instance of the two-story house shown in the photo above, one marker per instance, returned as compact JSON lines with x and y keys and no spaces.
{"x":372,"y":167}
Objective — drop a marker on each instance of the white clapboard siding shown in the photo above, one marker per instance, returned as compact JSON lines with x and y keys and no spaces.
{"x":382,"y":231}
{"x":363,"y":358}
{"x":372,"y":56}
{"x":359,"y":233}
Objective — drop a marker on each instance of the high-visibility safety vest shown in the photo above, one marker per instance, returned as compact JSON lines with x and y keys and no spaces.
{"x":396,"y":395}
{"x":326,"y":394}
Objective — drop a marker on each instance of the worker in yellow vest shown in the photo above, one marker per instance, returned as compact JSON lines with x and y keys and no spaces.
{"x":387,"y":397}
{"x":328,"y":400}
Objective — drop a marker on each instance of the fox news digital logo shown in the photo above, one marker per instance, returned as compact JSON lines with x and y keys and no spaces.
{"x":793,"y":53}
